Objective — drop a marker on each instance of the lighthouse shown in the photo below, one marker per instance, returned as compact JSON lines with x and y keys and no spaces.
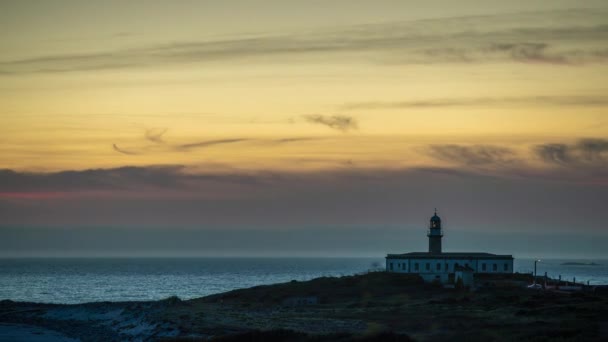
{"x":435,"y":234}
{"x":437,"y":266}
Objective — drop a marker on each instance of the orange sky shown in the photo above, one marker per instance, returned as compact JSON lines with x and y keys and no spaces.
{"x":82,"y":84}
{"x":348,"y":120}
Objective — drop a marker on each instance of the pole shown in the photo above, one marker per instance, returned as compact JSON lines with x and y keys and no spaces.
{"x":535,"y":261}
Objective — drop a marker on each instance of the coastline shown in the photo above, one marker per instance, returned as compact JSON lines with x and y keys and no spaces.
{"x":361,"y":305}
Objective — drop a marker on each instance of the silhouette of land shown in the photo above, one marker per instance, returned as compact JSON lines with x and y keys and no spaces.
{"x":376,"y":306}
{"x":580,"y":264}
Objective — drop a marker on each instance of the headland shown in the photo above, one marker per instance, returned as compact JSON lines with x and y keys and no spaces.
{"x":377,"y":306}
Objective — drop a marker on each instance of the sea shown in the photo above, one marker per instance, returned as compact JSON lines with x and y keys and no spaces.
{"x":81,"y":280}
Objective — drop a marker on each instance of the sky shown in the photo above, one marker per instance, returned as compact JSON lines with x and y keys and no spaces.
{"x":285,"y":127}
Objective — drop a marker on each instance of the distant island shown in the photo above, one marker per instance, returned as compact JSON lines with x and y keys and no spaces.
{"x":377,"y":306}
{"x":580,"y":264}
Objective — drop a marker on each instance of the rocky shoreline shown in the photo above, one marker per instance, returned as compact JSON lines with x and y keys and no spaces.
{"x":355,"y":307}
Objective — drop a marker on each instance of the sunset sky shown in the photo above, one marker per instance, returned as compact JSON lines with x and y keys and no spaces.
{"x":288,"y":120}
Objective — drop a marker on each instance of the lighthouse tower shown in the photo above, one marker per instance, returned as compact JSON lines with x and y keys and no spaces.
{"x":435,"y":234}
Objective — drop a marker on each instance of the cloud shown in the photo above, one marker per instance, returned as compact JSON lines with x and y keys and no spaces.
{"x":558,"y":39}
{"x":472,"y":155}
{"x":295,"y":139}
{"x":93,"y":179}
{"x":155,"y":135}
{"x":123,"y":151}
{"x":560,"y":101}
{"x":339,"y":122}
{"x":178,"y":196}
{"x":582,"y":161}
{"x":553,"y":153}
{"x":594,"y":149}
{"x":590,"y":152}
{"x":208,"y":143}
{"x":154,"y":180}
{"x":529,"y":52}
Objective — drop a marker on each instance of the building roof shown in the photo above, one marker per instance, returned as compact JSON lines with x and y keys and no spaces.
{"x":435,"y":217}
{"x":457,"y":255}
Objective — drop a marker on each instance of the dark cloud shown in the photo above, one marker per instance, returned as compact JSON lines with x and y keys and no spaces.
{"x":343,"y":204}
{"x":339,"y":122}
{"x":155,"y":135}
{"x":561,"y":101}
{"x":123,"y":151}
{"x":515,"y":38}
{"x":92,"y":179}
{"x":530,"y":53}
{"x":594,"y":149}
{"x":591,"y":152}
{"x":553,"y":153}
{"x":159,"y":181}
{"x":582,"y":161}
{"x":472,"y":155}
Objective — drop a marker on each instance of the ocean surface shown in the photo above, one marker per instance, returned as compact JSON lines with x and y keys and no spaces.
{"x":73,"y":280}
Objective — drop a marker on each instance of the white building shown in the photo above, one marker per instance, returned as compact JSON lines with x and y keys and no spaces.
{"x":435,"y":265}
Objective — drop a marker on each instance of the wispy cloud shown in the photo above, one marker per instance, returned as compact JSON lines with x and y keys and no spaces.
{"x":572,"y":38}
{"x":582,"y":101}
{"x":592,"y":152}
{"x":296,"y":139}
{"x":582,"y":161}
{"x":124,"y":151}
{"x":339,"y":122}
{"x":208,"y":143}
{"x":252,"y":141}
{"x":473,"y":154}
{"x":155,"y":135}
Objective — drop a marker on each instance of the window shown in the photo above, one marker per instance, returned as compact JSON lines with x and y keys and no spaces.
{"x":506,"y":268}
{"x":391,"y":266}
{"x":416,"y":267}
{"x":483,"y":267}
{"x":428,"y":266}
{"x":495,"y":267}
{"x":398,"y":265}
{"x":438,"y":267}
{"x":447,"y":267}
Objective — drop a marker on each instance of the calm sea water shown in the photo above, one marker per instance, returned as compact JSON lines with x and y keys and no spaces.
{"x":117,"y":279}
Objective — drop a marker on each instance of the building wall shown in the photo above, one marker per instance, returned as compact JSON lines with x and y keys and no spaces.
{"x":467,"y":278}
{"x":440,"y":265}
